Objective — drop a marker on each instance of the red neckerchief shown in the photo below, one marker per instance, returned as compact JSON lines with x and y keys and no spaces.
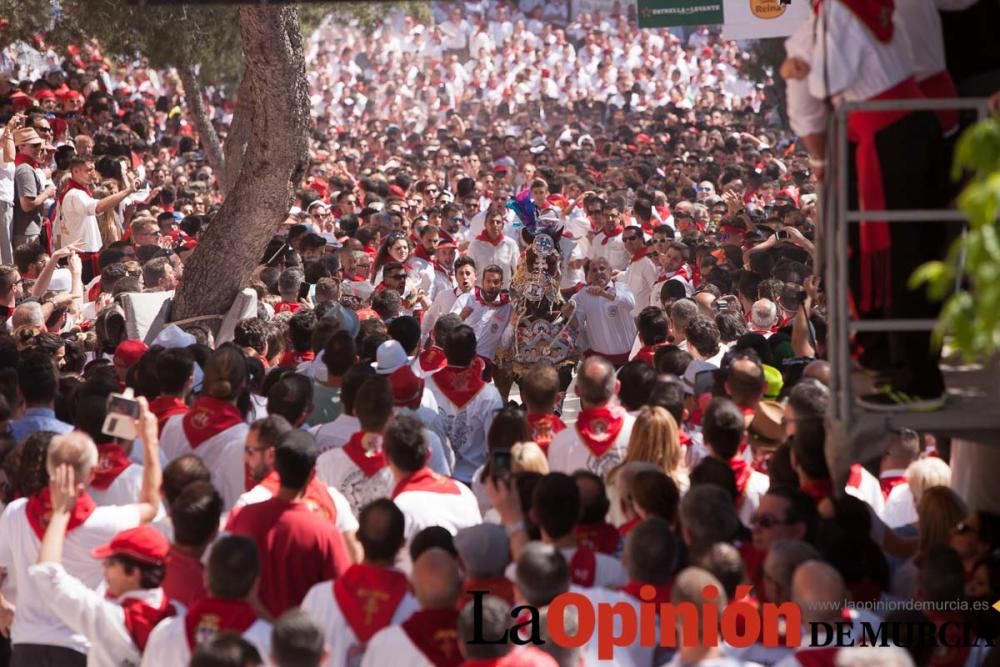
{"x":22,"y":158}
{"x":317,"y":497}
{"x":647,"y":353}
{"x":459,"y":385}
{"x":426,"y":479}
{"x":141,"y":618}
{"x":421,"y":253}
{"x":291,"y":358}
{"x":502,"y":300}
{"x":208,"y":418}
{"x":38,"y":511}
{"x":890,"y":483}
{"x":483,"y":236}
{"x":627,"y":527}
{"x":544,"y":428}
{"x":855,"y":476}
{"x":165,"y":407}
{"x":742,"y":470}
{"x":818,"y":489}
{"x":598,"y":428}
{"x":500,"y":586}
{"x":685,"y":438}
{"x":435,"y":634}
{"x":95,"y":291}
{"x":876,"y":15}
{"x":600,"y":537}
{"x":617,"y":231}
{"x":286,"y":307}
{"x":209,"y":616}
{"x":72,"y":185}
{"x":368,"y":462}
{"x":111,"y":462}
{"x":368,"y":596}
{"x":583,"y":567}
{"x":663,"y":592}
{"x":642,"y":252}
{"x":432,"y":359}
{"x":817,"y":657}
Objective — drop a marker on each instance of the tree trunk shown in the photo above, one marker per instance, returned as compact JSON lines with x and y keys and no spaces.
{"x":275,"y":90}
{"x":237,"y":136}
{"x":194,"y":96}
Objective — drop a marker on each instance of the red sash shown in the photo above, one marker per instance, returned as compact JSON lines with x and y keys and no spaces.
{"x":890,"y":483}
{"x":426,"y":479}
{"x":501,"y":586}
{"x":583,"y":567}
{"x":432,"y":359}
{"x":502,"y":300}
{"x":435,"y":634}
{"x":663,"y":592}
{"x":483,"y":236}
{"x":165,"y":407}
{"x":317,"y":497}
{"x":601,"y":537}
{"x":459,"y":385}
{"x":369,"y":462}
{"x":38,"y":511}
{"x":617,"y":231}
{"x":421,"y":253}
{"x":941,"y":86}
{"x":875,"y":239}
{"x":111,"y":462}
{"x":208,"y":418}
{"x":141,"y":618}
{"x":544,"y":428}
{"x":283,"y":307}
{"x":368,"y":597}
{"x":818,"y":657}
{"x":210,"y":616}
{"x":598,"y":428}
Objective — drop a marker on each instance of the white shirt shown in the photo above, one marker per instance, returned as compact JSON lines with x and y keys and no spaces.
{"x":391,"y":645}
{"x":453,"y":511}
{"x":608,"y":323}
{"x":756,"y":487}
{"x":340,"y":638}
{"x":100,"y":620}
{"x":900,"y":509}
{"x":123,"y":491}
{"x":443,"y":301}
{"x":35,"y":622}
{"x":7,"y":183}
{"x":168,"y":646}
{"x":489,"y":322}
{"x":335,"y":433}
{"x":339,"y":472}
{"x":568,"y":453}
{"x":506,"y":255}
{"x":869,"y":490}
{"x":639,"y":276}
{"x":610,"y":248}
{"x":346,"y":521}
{"x":923,"y":26}
{"x":223,"y":453}
{"x":79,"y":221}
{"x":467,"y":426}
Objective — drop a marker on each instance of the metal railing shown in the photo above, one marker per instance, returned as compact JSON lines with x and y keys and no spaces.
{"x":833,"y":239}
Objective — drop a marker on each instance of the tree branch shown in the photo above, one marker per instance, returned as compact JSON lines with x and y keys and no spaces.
{"x":194,"y":97}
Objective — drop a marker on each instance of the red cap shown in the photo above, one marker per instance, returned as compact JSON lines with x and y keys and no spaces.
{"x":145,"y":544}
{"x":644,"y":139}
{"x":396,"y":191}
{"x":129,"y":352}
{"x":20,"y":100}
{"x":407,"y":388}
{"x":45,"y":94}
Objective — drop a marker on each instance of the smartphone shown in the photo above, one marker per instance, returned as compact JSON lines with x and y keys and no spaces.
{"x":500,"y":462}
{"x":123,"y":410}
{"x":781,"y":235}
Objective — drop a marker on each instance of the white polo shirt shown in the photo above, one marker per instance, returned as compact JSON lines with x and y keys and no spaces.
{"x":35,"y":622}
{"x":611,"y":248}
{"x":79,"y":221}
{"x":640,"y":275}
{"x":123,"y":491}
{"x":608,"y":323}
{"x":223,"y":453}
{"x":429,"y":499}
{"x":568,"y":453}
{"x":488,"y":321}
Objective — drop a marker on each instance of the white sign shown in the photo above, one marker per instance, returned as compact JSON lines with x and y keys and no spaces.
{"x":757,"y":19}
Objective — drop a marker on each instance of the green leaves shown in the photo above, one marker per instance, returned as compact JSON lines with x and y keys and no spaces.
{"x":971,"y":314}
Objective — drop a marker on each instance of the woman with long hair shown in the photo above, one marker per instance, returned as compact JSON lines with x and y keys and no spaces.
{"x":395,"y":248}
{"x":939,"y":511}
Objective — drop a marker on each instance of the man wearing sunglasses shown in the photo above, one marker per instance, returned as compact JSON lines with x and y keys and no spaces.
{"x":641,"y":272}
{"x":784,"y":513}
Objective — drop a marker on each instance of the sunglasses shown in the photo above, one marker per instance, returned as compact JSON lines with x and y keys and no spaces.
{"x":766,"y":521}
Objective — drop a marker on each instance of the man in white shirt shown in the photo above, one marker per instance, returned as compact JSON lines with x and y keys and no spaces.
{"x":465,"y":282}
{"x":339,"y":431}
{"x":37,"y":634}
{"x":604,"y":312}
{"x":491,"y":247}
{"x":488,"y":311}
{"x":641,"y":272}
{"x":607,"y":243}
{"x":76,"y":219}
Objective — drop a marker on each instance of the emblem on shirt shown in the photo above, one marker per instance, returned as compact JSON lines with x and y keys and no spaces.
{"x":200,"y":419}
{"x":208,"y":626}
{"x":768,"y":9}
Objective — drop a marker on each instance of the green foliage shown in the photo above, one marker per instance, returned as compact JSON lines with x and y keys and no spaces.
{"x":971,"y":315}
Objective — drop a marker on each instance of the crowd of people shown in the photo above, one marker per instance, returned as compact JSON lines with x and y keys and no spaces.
{"x":334,"y":483}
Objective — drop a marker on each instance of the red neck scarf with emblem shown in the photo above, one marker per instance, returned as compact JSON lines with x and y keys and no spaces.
{"x":422,"y":253}
{"x":111,"y":462}
{"x":502,"y":300}
{"x":39,"y":510}
{"x":601,"y":537}
{"x":434,"y":632}
{"x":459,"y":385}
{"x":368,"y":596}
{"x":617,"y":231}
{"x":141,"y":618}
{"x":598,"y":428}
{"x":369,"y":461}
{"x":165,"y":407}
{"x":642,"y":252}
{"x":426,"y":479}
{"x":72,"y":185}
{"x":544,"y":428}
{"x":890,"y":483}
{"x":209,"y":616}
{"x":483,"y":236}
{"x":662,"y":591}
{"x":208,"y":418}
{"x":317,"y":497}
{"x":583,"y":567}
{"x":432,"y":359}
{"x":24,"y":158}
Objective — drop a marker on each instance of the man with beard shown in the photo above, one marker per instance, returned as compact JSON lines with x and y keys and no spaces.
{"x":488,"y":311}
